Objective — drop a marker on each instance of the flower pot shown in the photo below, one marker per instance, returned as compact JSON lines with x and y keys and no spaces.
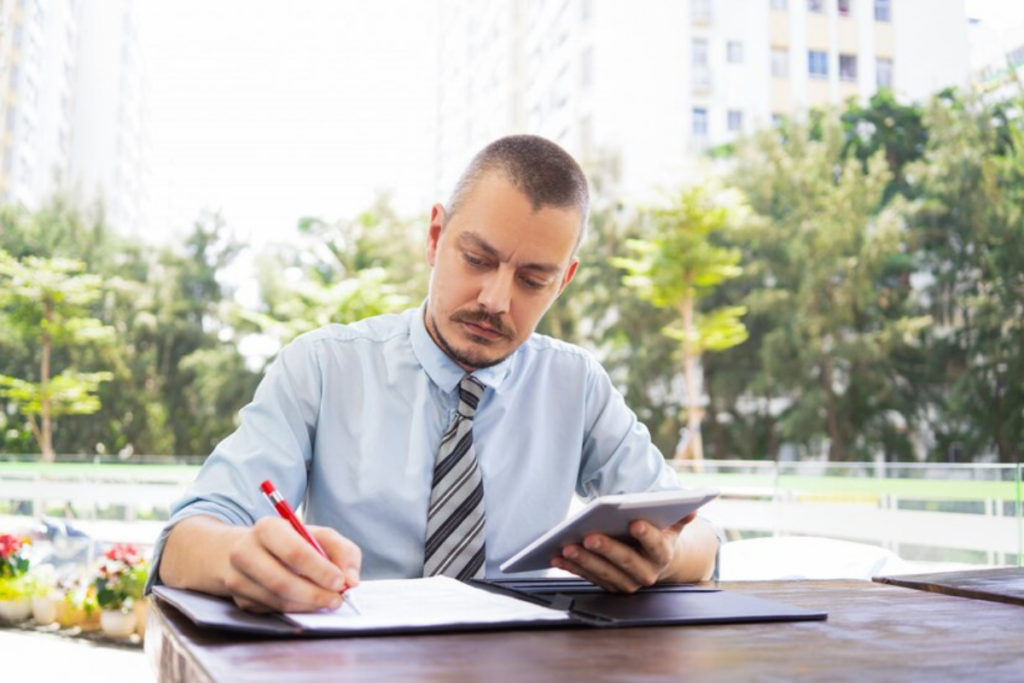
{"x":90,"y":621}
{"x":15,"y":610}
{"x":69,"y":614}
{"x":44,"y":609}
{"x":117,"y":623}
{"x":141,"y":609}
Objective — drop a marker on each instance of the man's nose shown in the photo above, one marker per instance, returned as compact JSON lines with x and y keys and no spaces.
{"x":496,"y":292}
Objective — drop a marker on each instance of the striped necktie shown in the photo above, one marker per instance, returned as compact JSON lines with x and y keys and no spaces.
{"x":455,"y":520}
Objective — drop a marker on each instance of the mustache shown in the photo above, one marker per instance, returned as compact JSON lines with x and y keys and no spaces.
{"x":489,"y":319}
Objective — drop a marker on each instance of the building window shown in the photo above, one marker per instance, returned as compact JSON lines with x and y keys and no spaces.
{"x":702,"y":11}
{"x":883,"y":11}
{"x":844,"y":7}
{"x":780,"y":4}
{"x":848,"y":67}
{"x":817,"y":6}
{"x":734,"y":121}
{"x":780,"y":62}
{"x":817,"y":64}
{"x":734,"y":52}
{"x":700,"y":52}
{"x":700,"y":122}
{"x":883,"y":73}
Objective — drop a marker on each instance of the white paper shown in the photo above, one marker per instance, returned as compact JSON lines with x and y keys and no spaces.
{"x":435,"y":601}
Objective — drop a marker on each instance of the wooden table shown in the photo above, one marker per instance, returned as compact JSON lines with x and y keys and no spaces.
{"x":874,"y":632}
{"x":1003,"y":584}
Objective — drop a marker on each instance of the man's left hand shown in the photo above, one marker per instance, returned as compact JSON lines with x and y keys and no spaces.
{"x":620,"y":567}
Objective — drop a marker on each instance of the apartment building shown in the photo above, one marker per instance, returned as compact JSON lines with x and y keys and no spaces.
{"x":72,"y":109}
{"x":827,"y":51}
{"x":36,"y":99}
{"x":648,"y":84}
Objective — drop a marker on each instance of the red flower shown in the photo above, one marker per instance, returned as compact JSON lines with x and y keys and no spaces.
{"x":9,"y":545}
{"x":125,"y":553}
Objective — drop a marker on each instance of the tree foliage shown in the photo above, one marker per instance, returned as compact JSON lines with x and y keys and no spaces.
{"x":969,"y":223}
{"x":677,"y":264}
{"x":880,"y":270}
{"x":46,"y":301}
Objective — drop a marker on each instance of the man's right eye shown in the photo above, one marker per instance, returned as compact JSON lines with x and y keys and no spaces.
{"x":473,"y":260}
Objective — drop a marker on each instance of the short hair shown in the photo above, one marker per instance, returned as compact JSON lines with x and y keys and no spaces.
{"x":540,"y":169}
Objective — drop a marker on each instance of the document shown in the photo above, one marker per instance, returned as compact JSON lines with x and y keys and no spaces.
{"x":382,"y":606}
{"x":422,"y":603}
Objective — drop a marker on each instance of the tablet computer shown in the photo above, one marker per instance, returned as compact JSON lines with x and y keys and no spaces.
{"x":609,"y":515}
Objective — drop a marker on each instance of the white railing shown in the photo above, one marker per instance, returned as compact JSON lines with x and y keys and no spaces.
{"x":966,"y":513}
{"x":963,"y":512}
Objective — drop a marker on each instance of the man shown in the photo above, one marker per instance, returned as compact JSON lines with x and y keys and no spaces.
{"x":441,"y":440}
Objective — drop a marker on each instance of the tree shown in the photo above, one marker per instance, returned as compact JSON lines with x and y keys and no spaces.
{"x":828,"y":289}
{"x":677,"y":264}
{"x":336,"y":272}
{"x":897,"y":130}
{"x":970,"y":234}
{"x":48,"y":300}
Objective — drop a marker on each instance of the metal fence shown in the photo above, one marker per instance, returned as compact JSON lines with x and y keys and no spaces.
{"x":931,"y":512}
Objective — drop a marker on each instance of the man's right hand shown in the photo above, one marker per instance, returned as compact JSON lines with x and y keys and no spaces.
{"x":266,"y":567}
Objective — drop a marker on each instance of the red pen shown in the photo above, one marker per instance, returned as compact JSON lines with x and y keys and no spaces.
{"x":285,"y":510}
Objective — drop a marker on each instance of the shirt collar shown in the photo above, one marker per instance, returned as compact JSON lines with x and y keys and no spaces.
{"x":441,"y":369}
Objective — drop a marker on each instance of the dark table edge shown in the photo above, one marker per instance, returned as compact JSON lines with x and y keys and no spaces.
{"x":917,"y":582}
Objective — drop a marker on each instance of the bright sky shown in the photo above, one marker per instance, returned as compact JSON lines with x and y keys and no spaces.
{"x":1004,"y":13}
{"x":270,"y":110}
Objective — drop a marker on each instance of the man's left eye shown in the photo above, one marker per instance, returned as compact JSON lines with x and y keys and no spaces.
{"x":533,"y":284}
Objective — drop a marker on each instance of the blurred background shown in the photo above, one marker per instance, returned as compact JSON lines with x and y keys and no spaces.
{"x":187,"y":186}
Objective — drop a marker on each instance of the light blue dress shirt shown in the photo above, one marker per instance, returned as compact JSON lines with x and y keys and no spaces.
{"x":348,"y":420}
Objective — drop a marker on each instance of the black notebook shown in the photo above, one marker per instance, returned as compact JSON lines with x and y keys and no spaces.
{"x":440,"y":604}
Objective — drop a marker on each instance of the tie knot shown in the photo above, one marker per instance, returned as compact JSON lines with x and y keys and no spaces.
{"x":470,"y":391}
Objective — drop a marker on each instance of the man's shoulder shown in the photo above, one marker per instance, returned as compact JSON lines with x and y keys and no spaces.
{"x":377,"y":329}
{"x":541,"y":346}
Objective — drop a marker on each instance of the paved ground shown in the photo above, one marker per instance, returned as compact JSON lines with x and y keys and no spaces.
{"x":42,"y":657}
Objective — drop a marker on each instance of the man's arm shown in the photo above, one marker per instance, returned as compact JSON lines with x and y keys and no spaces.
{"x":263,"y":567}
{"x":683,"y":553}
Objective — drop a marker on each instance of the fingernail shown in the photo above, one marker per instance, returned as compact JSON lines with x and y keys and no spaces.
{"x":571,"y":553}
{"x":335,"y":602}
{"x":353,"y":576}
{"x":591,"y":543}
{"x":640,"y":529}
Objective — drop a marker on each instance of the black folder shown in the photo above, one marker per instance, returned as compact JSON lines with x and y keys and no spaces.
{"x":578,"y":604}
{"x":659,"y":605}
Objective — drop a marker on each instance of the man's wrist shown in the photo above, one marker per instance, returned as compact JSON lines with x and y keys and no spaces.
{"x":694,"y":556}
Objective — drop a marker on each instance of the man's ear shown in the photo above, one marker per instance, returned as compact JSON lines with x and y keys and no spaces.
{"x":437,"y":219}
{"x":570,"y":273}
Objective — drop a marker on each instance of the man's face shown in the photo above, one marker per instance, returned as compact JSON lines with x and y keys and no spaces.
{"x":497,"y":267}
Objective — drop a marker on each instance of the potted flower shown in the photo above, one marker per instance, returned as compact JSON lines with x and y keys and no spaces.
{"x":42,"y":587}
{"x":15,"y":602}
{"x":119,"y":583}
{"x":77,"y":608}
